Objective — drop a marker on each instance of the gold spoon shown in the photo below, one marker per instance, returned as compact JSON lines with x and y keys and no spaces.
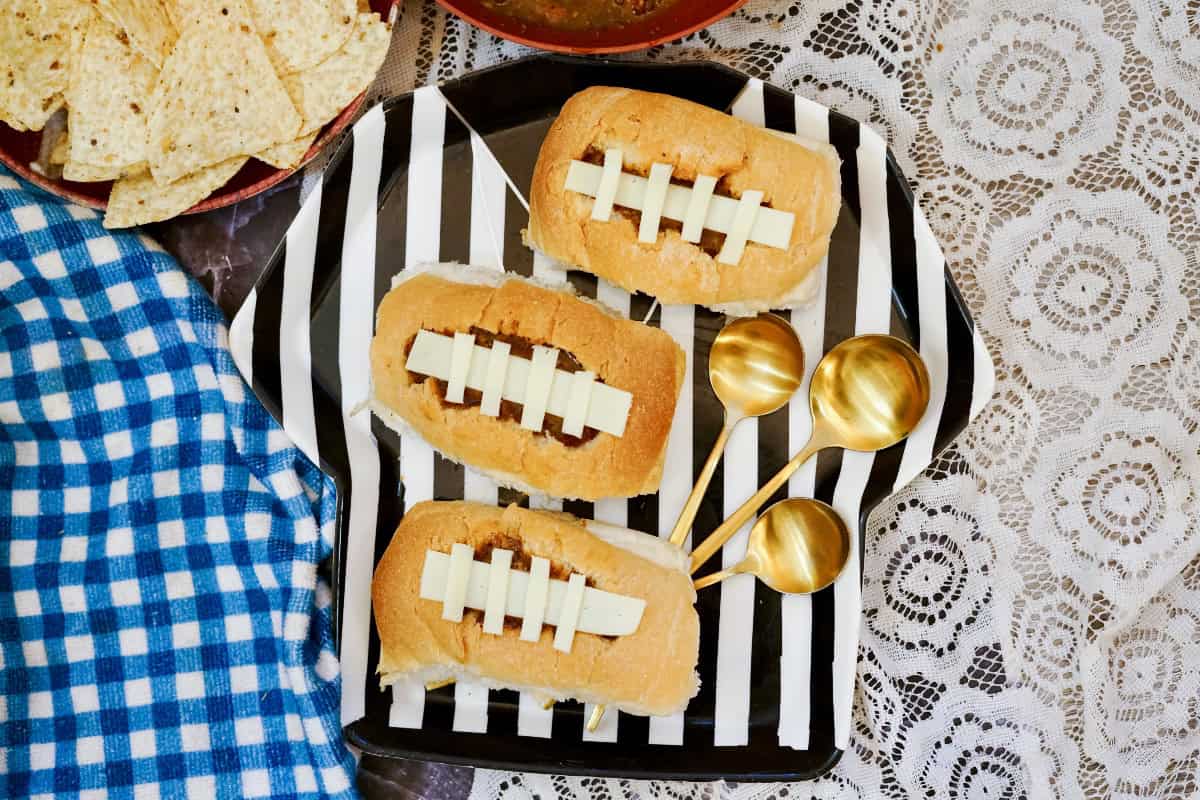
{"x":755,"y":366}
{"x":867,"y":393}
{"x":798,"y":546}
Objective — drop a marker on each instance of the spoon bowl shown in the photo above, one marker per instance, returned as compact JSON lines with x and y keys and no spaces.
{"x":869,"y":392}
{"x":798,"y":546}
{"x":755,"y":365}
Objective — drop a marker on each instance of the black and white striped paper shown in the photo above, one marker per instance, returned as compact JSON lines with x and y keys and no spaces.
{"x":447,"y":170}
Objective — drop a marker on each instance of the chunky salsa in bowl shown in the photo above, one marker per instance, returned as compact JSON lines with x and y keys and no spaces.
{"x":591,"y":26}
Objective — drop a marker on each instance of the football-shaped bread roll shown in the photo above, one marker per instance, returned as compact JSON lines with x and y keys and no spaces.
{"x":761,"y":226}
{"x":651,"y":670}
{"x":544,"y":391}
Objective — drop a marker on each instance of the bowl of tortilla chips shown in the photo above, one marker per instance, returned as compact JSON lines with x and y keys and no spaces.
{"x":154,"y":108}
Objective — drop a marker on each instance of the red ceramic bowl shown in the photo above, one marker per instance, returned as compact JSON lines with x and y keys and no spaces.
{"x":679,"y":19}
{"x":18,"y":150}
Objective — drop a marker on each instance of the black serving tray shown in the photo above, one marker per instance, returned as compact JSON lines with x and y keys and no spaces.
{"x":510,"y":108}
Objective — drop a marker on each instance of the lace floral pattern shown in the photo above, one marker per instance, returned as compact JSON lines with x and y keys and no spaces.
{"x":1032,"y":603}
{"x":1169,"y":33}
{"x":1090,"y":286}
{"x":1027,"y":87}
{"x":933,"y":552}
{"x":1118,"y":508}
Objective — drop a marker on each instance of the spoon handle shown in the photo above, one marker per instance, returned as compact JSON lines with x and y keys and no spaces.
{"x":594,"y":720}
{"x":688,"y":515}
{"x":716,"y":577}
{"x":748,"y":509}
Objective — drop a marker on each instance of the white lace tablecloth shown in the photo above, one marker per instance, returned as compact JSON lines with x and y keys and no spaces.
{"x":1032,"y":604}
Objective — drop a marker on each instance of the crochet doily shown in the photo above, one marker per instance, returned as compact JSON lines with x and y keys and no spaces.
{"x":1032,"y":603}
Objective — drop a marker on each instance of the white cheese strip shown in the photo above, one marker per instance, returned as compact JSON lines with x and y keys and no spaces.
{"x":537,"y":593}
{"x":772,"y":227}
{"x":603,"y":613}
{"x":537,"y":389}
{"x":578,"y":400}
{"x":606,"y":191}
{"x":460,"y":364}
{"x":458,"y":572}
{"x":497,"y":591}
{"x":697,"y":209}
{"x":564,"y":634}
{"x":652,"y":202}
{"x":608,"y":410}
{"x":743,"y":221}
{"x":493,"y":383}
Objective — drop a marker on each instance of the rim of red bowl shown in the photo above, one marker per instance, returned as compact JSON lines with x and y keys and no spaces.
{"x":682,"y":18}
{"x":219,"y":198}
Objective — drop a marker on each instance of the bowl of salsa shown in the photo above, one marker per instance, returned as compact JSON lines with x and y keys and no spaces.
{"x":591,"y":26}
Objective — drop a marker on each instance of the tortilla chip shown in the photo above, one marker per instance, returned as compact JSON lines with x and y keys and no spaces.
{"x":180,"y":11}
{"x":287,"y":155}
{"x":146,"y":22}
{"x":322,"y":92}
{"x":90,"y":173}
{"x":109,"y":98}
{"x":12,"y":121}
{"x":302,"y":33}
{"x":185,"y":12}
{"x":139,"y":199}
{"x":35,"y":58}
{"x":217,"y":97}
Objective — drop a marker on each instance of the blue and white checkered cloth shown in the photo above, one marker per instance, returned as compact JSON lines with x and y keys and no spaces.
{"x":162,"y":630}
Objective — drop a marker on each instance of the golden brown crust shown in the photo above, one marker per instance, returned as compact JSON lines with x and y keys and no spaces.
{"x":650,"y":671}
{"x":697,"y":140}
{"x":626,"y":355}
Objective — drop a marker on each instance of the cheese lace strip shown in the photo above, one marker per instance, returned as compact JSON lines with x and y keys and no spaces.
{"x":583,"y":384}
{"x":537,"y":389}
{"x":735,"y":241}
{"x":697,"y":209}
{"x":460,"y":361}
{"x":497,"y":591}
{"x":571,"y":606}
{"x":537,"y":591}
{"x":458,"y":570}
{"x":695,"y":206}
{"x":538,"y":385}
{"x":564,"y":634}
{"x":497,"y":365}
{"x":606,"y":190}
{"x":652,"y":202}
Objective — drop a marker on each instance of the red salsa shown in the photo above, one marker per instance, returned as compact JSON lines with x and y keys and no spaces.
{"x":578,"y":14}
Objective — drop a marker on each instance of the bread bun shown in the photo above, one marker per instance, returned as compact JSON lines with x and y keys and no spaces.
{"x":651,"y":671}
{"x":623,"y":354}
{"x":795,"y":176}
